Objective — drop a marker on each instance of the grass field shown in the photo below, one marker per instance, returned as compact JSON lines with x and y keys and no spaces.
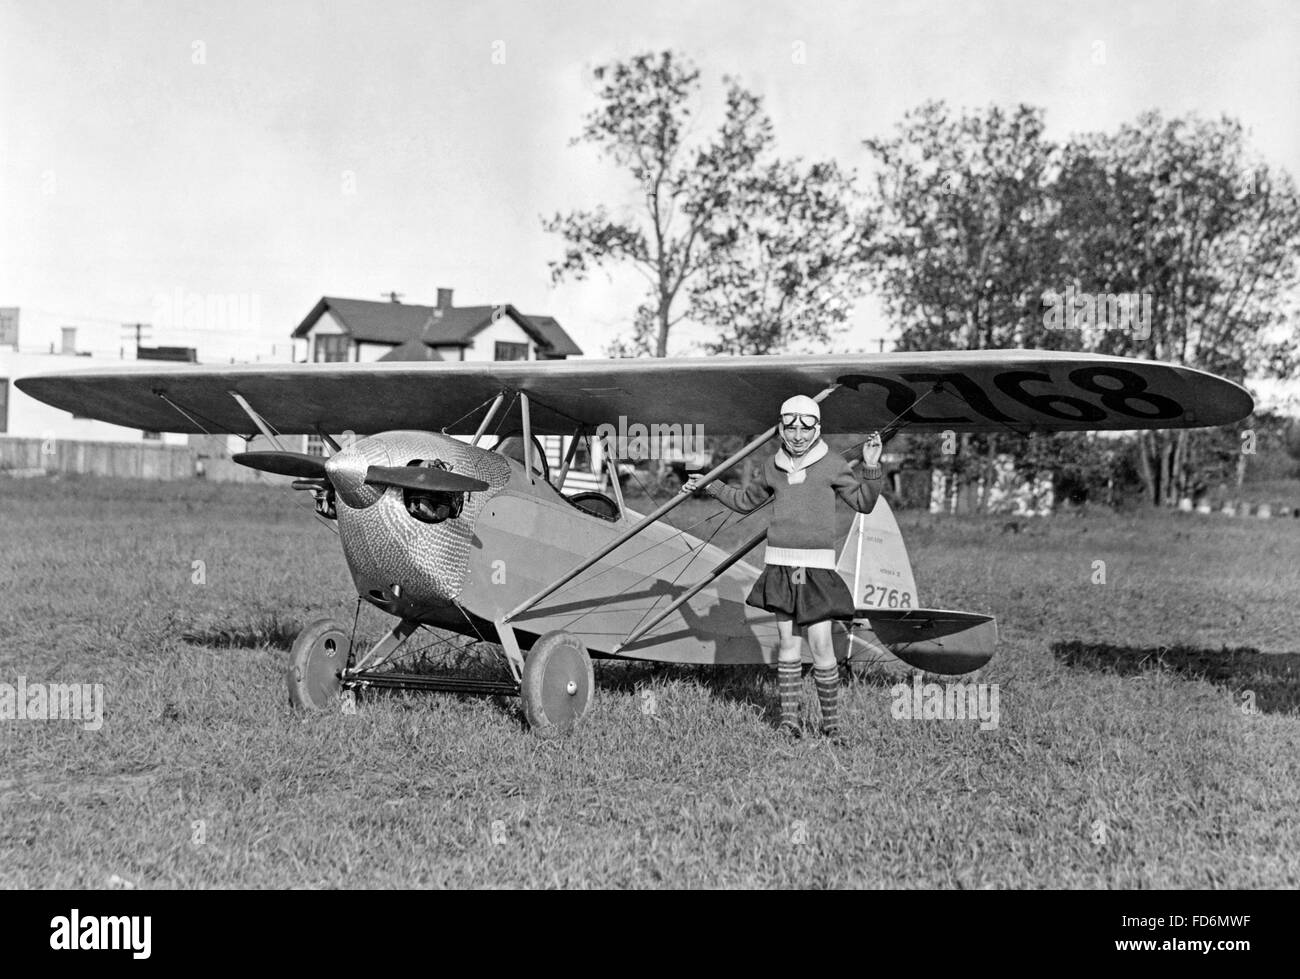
{"x":1142,"y":742}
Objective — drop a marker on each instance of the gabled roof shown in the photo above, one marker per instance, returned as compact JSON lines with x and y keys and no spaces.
{"x":397,"y":323}
{"x":561,"y":343}
{"x":412,"y":350}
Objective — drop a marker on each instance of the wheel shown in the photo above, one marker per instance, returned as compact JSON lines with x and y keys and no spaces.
{"x":558,"y":684}
{"x":318,"y":656}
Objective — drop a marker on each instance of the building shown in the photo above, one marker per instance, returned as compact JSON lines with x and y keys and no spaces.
{"x":37,"y":342}
{"x":361,"y":331}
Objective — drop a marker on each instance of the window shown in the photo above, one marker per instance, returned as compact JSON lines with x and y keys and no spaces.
{"x":511,"y":351}
{"x":4,"y":404}
{"x":332,"y":348}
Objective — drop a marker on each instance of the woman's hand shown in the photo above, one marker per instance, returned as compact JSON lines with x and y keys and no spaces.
{"x":872,"y":449}
{"x":694,"y":484}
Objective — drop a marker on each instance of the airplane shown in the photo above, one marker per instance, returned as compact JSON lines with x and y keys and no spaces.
{"x":440,"y":531}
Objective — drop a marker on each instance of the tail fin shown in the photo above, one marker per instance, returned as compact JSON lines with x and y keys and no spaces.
{"x":874,"y":562}
{"x":891,"y":630}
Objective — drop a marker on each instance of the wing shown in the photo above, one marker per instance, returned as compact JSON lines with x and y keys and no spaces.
{"x":964,"y":391}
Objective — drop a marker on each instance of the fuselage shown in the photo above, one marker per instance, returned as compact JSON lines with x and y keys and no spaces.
{"x":509,"y":541}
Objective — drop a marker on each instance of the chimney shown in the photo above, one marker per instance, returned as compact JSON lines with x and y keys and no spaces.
{"x":444,"y":299}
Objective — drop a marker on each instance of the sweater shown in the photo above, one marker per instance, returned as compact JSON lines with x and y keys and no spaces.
{"x":802,"y":532}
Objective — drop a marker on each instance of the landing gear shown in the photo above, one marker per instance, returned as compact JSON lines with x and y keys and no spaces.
{"x":318,"y":657}
{"x":558,"y":684}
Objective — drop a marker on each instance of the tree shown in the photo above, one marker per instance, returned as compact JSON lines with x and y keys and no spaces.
{"x":645,"y":108}
{"x":965,"y":241}
{"x":1178,"y":212}
{"x":981,"y":220}
{"x":786,"y":266}
{"x":767,"y":252}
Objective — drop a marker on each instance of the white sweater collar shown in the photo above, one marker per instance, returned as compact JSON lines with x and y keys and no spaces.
{"x":809,"y":458}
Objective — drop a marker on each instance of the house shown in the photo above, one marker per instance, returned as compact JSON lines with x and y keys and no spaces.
{"x":35,"y":341}
{"x":361,"y":331}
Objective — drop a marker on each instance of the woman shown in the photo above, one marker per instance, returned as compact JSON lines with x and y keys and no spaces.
{"x":799,"y":581}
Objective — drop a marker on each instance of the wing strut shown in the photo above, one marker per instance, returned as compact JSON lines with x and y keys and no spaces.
{"x":696,"y":588}
{"x":713,"y":576}
{"x":717,"y":572}
{"x":257,"y":419}
{"x":753,"y":446}
{"x":574,"y":443}
{"x":328,"y":440}
{"x":487,"y":419}
{"x":611,"y":470}
{"x":528,"y":438}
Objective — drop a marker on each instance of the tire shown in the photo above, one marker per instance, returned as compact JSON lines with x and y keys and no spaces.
{"x":558,"y":685}
{"x":318,"y":656}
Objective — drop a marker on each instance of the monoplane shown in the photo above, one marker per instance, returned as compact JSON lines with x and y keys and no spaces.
{"x":439,"y":530}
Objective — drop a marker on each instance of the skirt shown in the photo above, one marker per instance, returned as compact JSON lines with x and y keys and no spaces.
{"x":821,"y":595}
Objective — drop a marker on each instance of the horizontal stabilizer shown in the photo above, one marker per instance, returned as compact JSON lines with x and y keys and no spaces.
{"x":935,"y":640}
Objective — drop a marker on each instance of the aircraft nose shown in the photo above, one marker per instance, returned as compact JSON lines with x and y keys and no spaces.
{"x":347,"y":472}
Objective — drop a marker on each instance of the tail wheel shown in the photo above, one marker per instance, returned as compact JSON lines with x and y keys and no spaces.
{"x":558,"y":684}
{"x":318,"y":656}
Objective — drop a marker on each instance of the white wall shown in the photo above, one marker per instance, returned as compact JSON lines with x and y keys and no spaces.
{"x":368,"y":353}
{"x":506,"y":329}
{"x":30,"y":418}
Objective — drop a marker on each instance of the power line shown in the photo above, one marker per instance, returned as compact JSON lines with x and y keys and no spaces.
{"x":139,"y":329}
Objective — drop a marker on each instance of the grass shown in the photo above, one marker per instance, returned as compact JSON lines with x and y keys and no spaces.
{"x":1123,"y":757}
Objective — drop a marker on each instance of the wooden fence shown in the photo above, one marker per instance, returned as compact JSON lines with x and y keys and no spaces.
{"x":134,"y":460}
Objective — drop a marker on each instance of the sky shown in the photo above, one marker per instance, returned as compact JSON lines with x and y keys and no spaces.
{"x":247,"y":158}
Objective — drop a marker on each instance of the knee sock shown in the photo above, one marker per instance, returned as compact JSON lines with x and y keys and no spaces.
{"x":828,"y":693}
{"x":790,"y":684}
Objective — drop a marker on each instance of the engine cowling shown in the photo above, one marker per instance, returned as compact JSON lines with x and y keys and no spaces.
{"x":408,"y":550}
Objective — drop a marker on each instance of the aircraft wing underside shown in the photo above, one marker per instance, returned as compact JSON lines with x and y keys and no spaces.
{"x":962,"y":391}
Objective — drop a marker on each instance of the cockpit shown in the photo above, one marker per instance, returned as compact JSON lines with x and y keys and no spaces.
{"x":575,"y":454}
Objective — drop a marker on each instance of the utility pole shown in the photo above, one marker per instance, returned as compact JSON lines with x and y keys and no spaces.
{"x":138,"y":329}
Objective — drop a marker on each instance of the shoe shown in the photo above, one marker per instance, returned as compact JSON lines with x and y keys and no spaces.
{"x":835,"y":736}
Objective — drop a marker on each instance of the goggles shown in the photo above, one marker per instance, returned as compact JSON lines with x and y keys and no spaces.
{"x":797,"y":421}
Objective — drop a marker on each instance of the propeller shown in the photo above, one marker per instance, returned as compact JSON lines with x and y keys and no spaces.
{"x":423,"y":478}
{"x":309,"y":473}
{"x":298,"y":464}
